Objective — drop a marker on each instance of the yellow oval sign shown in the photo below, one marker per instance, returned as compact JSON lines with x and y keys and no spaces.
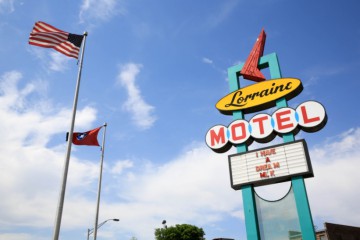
{"x":259,"y":96}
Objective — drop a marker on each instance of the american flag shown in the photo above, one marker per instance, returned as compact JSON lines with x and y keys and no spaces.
{"x":45,"y":35}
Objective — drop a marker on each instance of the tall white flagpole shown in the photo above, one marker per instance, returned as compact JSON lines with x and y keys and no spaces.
{"x":100,"y":179}
{"x":69,"y":143}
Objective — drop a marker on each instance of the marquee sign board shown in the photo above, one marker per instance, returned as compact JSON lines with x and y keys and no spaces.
{"x":270,"y":165}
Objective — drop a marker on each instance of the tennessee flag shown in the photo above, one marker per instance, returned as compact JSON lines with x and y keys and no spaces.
{"x":86,"y":138}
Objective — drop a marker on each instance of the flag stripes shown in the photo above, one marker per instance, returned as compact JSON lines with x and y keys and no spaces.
{"x":47,"y":36}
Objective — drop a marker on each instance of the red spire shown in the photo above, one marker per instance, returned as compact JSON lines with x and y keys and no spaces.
{"x":250,"y":69}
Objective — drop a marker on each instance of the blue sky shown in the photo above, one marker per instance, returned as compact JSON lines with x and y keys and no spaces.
{"x":154,"y":70}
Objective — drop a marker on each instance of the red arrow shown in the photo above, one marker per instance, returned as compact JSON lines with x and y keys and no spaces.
{"x":250,"y":69}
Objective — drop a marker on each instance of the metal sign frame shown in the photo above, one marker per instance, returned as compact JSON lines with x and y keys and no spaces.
{"x":276,"y":179}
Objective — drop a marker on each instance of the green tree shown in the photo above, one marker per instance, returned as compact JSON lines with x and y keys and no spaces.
{"x":180,"y":232}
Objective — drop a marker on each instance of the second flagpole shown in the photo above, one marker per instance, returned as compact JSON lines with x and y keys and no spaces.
{"x":100,"y":179}
{"x":69,"y":143}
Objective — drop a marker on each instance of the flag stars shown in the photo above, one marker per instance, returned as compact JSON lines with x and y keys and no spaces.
{"x":75,"y":39}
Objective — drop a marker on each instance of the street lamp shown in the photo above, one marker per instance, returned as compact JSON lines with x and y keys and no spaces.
{"x":90,"y":231}
{"x":164,"y":223}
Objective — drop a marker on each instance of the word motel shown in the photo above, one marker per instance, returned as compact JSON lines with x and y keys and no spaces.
{"x":309,"y":116}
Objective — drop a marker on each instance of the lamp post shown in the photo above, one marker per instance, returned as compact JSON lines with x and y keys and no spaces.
{"x":164,"y":223}
{"x":90,"y":231}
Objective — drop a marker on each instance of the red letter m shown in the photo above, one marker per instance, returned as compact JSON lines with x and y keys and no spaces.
{"x":219,"y":137}
{"x":263,"y":175}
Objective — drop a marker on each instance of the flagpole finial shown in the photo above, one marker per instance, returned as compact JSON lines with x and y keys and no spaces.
{"x":105,"y":124}
{"x":85,"y":33}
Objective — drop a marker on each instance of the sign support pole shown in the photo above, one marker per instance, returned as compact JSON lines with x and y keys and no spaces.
{"x":251,"y":220}
{"x":298,"y":184}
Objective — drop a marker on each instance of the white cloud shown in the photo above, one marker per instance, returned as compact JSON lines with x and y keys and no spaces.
{"x":19,"y":236}
{"x":333,"y":191}
{"x":207,"y":60}
{"x":7,"y":6}
{"x":196,"y":182}
{"x":222,"y":13}
{"x":120,"y":166}
{"x":135,"y":104}
{"x":37,"y":126}
{"x":59,"y":62}
{"x":30,"y":170}
{"x":317,"y":74}
{"x":38,"y":52}
{"x":51,"y":59}
{"x":99,"y":10}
